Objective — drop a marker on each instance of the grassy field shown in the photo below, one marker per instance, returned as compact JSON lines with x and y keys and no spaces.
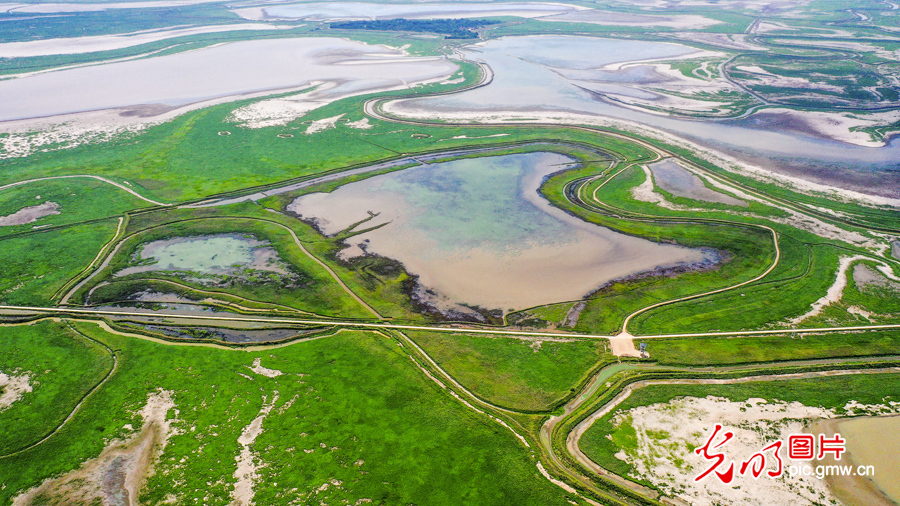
{"x":515,"y":373}
{"x":38,"y":264}
{"x":352,"y":412}
{"x":822,"y":392}
{"x":744,"y":350}
{"x":62,"y":366}
{"x":79,"y":200}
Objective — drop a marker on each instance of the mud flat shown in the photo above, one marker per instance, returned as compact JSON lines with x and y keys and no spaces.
{"x":683,"y":22}
{"x":871,"y":441}
{"x":667,"y":433}
{"x":333,"y":11}
{"x":52,"y":8}
{"x":676,"y":180}
{"x":117,"y":475}
{"x":218,"y":72}
{"x":477,"y":233}
{"x":12,"y":386}
{"x":895,"y":249}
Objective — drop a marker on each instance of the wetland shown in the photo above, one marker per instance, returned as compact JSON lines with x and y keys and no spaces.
{"x":477,"y":232}
{"x":574,"y":79}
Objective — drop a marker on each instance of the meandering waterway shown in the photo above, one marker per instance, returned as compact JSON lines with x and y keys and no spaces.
{"x":537,"y":76}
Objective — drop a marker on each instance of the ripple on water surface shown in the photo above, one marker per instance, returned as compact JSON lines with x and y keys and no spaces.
{"x":477,"y":232}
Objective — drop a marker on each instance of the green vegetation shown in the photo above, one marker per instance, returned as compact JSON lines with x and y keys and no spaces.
{"x":526,"y":375}
{"x":351,"y":411}
{"x":28,"y":26}
{"x":756,"y":349}
{"x":62,"y":367}
{"x":38,"y":264}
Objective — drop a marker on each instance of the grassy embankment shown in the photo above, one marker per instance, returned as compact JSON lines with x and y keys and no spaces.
{"x":306,"y":286}
{"x":515,"y":373}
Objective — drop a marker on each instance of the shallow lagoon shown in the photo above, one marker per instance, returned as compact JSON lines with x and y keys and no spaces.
{"x":873,"y":441}
{"x":555,"y":73}
{"x":477,"y":232}
{"x":319,"y":11}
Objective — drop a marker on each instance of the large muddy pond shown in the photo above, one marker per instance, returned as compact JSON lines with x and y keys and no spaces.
{"x":221,"y":254}
{"x":873,"y":441}
{"x":216,"y":72}
{"x":477,"y":232}
{"x":566,"y":74}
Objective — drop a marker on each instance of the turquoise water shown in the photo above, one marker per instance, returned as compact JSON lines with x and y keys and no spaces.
{"x":207,"y":254}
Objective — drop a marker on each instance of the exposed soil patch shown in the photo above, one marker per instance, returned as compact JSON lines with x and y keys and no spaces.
{"x":247,"y":463}
{"x":12,"y":386}
{"x":666,"y":434}
{"x":264,"y":371}
{"x":29,"y":214}
{"x":865,"y":277}
{"x":117,"y":475}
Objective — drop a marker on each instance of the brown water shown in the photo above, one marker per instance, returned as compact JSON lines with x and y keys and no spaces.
{"x":477,"y":232}
{"x":875,"y":441}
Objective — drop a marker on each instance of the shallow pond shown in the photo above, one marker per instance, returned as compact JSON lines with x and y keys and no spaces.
{"x":675,"y":179}
{"x":477,"y":232}
{"x":221,"y":254}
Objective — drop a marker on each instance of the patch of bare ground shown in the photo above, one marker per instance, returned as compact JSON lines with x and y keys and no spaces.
{"x":264,"y":371}
{"x":866,"y":277}
{"x":116,"y":476}
{"x":29,"y":214}
{"x":12,"y":386}
{"x":667,"y":433}
{"x":247,"y":461}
